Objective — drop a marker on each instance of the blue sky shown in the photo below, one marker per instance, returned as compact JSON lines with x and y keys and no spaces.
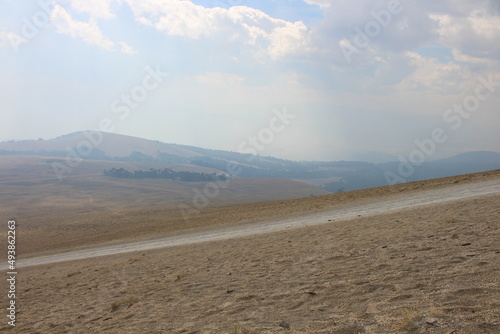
{"x":360,"y":76}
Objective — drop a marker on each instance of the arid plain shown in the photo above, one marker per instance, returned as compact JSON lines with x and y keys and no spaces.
{"x":430,"y":269}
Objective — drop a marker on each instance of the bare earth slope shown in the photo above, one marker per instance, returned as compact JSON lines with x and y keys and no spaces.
{"x":429,"y":269}
{"x":373,"y":207}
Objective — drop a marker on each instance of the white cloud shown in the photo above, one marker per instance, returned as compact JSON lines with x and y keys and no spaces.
{"x":275,"y":38}
{"x":88,"y":31}
{"x":434,"y":77}
{"x":127,"y":49}
{"x":321,"y":3}
{"x":288,"y":39}
{"x":475,"y":36}
{"x":95,"y":8}
{"x":398,"y":28}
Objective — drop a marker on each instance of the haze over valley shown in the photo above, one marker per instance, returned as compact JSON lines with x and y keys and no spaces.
{"x":333,"y":176}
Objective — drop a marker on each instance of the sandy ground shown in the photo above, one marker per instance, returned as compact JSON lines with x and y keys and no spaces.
{"x":354,"y":210}
{"x":67,"y":223}
{"x":432,"y":269}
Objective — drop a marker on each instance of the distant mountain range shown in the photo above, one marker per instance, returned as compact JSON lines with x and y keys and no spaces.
{"x":333,"y":176}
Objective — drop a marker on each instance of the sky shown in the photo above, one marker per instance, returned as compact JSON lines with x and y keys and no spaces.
{"x":295,"y":79}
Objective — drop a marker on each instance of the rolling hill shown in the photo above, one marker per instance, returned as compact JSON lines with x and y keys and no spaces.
{"x":332,"y":176}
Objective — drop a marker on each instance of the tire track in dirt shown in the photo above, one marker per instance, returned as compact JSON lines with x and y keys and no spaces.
{"x":368,"y":207}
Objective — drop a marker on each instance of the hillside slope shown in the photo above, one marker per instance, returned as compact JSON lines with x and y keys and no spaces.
{"x":432,"y":269}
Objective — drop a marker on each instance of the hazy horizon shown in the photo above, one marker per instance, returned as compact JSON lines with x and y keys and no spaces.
{"x":299,"y":80}
{"x":372,"y":157}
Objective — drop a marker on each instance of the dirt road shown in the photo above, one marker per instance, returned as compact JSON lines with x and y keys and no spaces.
{"x":369,"y":207}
